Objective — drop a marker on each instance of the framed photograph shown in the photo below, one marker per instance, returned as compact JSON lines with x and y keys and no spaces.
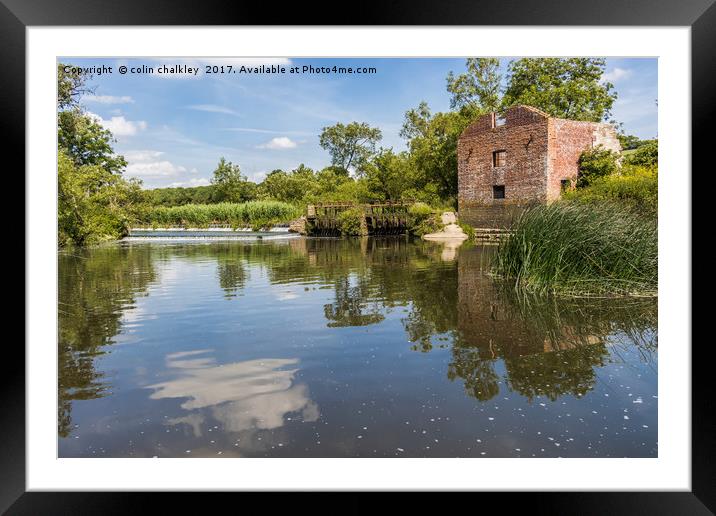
{"x":427,"y":251}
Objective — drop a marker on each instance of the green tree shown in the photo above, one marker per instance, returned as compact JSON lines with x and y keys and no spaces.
{"x":230,"y":185}
{"x":289,"y":186}
{"x":432,"y":140}
{"x":387,"y":174}
{"x":71,"y":85}
{"x":93,"y":203}
{"x":351,"y":145}
{"x":86,"y":142}
{"x":628,"y":142}
{"x":478,"y":90}
{"x":565,"y":88}
{"x":79,"y":134}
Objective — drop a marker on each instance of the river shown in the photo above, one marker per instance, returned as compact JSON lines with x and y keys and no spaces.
{"x":341,"y":348}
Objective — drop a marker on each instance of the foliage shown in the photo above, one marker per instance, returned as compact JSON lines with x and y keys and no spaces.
{"x":565,"y":88}
{"x":94,"y":287}
{"x":633,"y":186}
{"x":387,"y":175}
{"x":71,"y":84}
{"x":478,"y":90}
{"x":422,"y":219}
{"x":230,"y":185}
{"x":253,"y":214}
{"x":180,"y":195}
{"x":351,"y":222}
{"x":86,"y":142}
{"x":646,"y":155}
{"x":79,"y":133}
{"x":432,"y":140}
{"x":468,"y":230}
{"x":581,"y":249}
{"x":420,"y":210}
{"x":594,"y":163}
{"x":94,"y":204}
{"x":628,"y":142}
{"x":351,"y":145}
{"x":290,"y":187}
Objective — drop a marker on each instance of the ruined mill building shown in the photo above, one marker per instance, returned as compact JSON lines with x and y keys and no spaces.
{"x":523,"y":157}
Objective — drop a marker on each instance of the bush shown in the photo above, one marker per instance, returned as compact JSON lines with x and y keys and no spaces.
{"x":634,"y":186}
{"x":420,"y":210}
{"x":422,"y":219}
{"x":430,"y":224}
{"x":647,"y":155}
{"x":351,"y":222}
{"x":581,"y":249}
{"x":594,"y":163}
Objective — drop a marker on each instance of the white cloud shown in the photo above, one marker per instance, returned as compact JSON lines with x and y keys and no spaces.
{"x":120,"y":126}
{"x":148,"y":164}
{"x":196,"y":181}
{"x":616,"y":74}
{"x":108,"y":99}
{"x":142,"y":155}
{"x":162,"y":168}
{"x":212,"y":108}
{"x":281,"y":142}
{"x":257,"y":177}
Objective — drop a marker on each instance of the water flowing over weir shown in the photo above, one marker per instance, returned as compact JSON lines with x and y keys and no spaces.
{"x":201,"y":234}
{"x":384,"y":218}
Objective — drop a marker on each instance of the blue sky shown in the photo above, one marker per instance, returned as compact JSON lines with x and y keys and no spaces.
{"x":172,"y":129}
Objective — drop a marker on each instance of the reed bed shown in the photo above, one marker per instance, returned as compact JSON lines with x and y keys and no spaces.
{"x":255,"y":214}
{"x":581,"y":249}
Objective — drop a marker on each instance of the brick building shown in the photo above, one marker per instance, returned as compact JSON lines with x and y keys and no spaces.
{"x":524,"y":157}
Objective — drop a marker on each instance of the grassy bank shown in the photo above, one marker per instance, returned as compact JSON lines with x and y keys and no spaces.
{"x":581,"y":249}
{"x":637,"y":187}
{"x":255,"y":214}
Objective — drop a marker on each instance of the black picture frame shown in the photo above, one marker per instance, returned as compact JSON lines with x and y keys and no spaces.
{"x":699,"y":15}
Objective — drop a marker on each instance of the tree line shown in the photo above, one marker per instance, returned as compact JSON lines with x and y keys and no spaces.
{"x":96,"y":202}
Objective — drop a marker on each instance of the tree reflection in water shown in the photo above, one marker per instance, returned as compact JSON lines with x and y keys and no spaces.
{"x":95,"y":287}
{"x":544,"y":346}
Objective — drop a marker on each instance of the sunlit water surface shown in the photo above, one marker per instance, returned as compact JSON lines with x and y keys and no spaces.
{"x":341,"y":348}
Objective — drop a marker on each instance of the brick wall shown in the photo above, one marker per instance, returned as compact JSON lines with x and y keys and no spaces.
{"x":523,"y":137}
{"x":567,"y":140}
{"x":541,"y":152}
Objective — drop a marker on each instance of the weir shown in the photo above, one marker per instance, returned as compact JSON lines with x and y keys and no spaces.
{"x":381,"y":218}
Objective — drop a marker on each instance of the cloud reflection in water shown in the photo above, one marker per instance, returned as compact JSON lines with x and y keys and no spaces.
{"x":254,"y":394}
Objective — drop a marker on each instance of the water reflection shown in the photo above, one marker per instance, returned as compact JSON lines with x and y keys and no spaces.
{"x":424,"y":315}
{"x":241,"y":395}
{"x":95,"y":287}
{"x":549,"y":346}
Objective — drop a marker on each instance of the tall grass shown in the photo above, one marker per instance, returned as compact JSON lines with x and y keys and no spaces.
{"x":256,"y":214}
{"x":581,"y":249}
